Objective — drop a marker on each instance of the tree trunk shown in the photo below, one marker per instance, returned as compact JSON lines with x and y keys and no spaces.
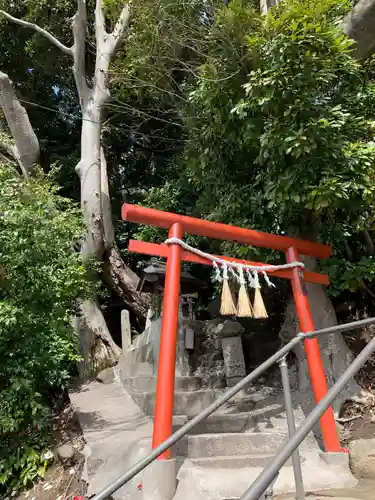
{"x":335,"y":353}
{"x":97,"y":346}
{"x":116,"y":274}
{"x":358,"y":25}
{"x":26,"y":149}
{"x":88,"y":170}
{"x":99,"y":245}
{"x":124,"y":282}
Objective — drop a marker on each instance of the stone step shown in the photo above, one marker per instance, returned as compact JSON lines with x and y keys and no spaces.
{"x":242,"y":403}
{"x":230,"y":444}
{"x":197,"y":482}
{"x":135,"y":369}
{"x":270,"y":419}
{"x":221,"y":423}
{"x":144,"y":383}
{"x":235,"y":462}
{"x":188,"y":403}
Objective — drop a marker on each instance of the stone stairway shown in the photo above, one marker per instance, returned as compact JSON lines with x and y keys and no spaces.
{"x":222,"y":455}
{"x":219,"y":458}
{"x":189,"y":398}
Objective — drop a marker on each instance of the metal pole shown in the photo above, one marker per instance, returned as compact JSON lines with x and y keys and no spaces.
{"x":168,"y":345}
{"x":316,"y":369}
{"x":268,"y":495}
{"x":296,"y":459}
{"x":362,"y":323}
{"x":266,"y":477}
{"x":182,"y":431}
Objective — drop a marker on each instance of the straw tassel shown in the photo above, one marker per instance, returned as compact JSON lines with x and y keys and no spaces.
{"x":228,"y":307}
{"x":244,"y":309}
{"x":259,"y":308}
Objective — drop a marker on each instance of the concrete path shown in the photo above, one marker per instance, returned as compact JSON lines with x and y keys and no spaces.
{"x":112,"y":424}
{"x":364,"y":491}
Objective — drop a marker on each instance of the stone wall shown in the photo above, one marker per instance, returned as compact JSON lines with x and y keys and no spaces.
{"x":210,"y":349}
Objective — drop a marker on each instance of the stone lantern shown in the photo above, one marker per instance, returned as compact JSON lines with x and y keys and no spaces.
{"x":152,"y":281}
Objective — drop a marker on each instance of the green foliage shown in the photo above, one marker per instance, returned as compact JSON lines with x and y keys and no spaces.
{"x":280,"y":131}
{"x":44,"y":81}
{"x":40,"y":277}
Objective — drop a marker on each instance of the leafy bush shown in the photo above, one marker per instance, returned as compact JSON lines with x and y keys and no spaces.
{"x":40,"y":277}
{"x":280,"y":133}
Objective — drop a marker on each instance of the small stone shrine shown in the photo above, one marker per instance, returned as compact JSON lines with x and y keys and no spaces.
{"x":212,"y":348}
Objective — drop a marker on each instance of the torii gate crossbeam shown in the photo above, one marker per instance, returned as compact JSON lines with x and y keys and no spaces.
{"x":177,"y":226}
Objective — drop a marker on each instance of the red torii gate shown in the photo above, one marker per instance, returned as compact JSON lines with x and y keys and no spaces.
{"x":177,"y":226}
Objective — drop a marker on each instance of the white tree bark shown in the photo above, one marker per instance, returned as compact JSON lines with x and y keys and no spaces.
{"x":265,"y":5}
{"x":359,"y":25}
{"x":92,"y":168}
{"x":99,"y":243}
{"x":26,"y":148}
{"x":7,"y":147}
{"x":38,"y":29}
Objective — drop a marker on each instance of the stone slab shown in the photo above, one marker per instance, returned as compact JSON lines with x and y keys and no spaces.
{"x":234,"y":361}
{"x":198,"y":483}
{"x":111,"y":423}
{"x":188,"y":403}
{"x":364,"y":491}
{"x":144,"y":383}
{"x":230,"y":444}
{"x":126,"y":335}
{"x":159,"y":480}
{"x":236,"y":462}
{"x":362,"y":458}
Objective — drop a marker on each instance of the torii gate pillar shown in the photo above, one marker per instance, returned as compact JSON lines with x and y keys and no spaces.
{"x":177,"y":225}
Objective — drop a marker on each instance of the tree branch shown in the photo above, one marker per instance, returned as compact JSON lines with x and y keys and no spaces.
{"x":106,"y":46}
{"x":117,"y":35}
{"x":7,"y":146}
{"x":79,"y":27}
{"x":26,"y":150}
{"x":38,"y":29}
{"x":369,"y":242}
{"x":101,"y":33}
{"x":10,"y":149}
{"x":265,"y":5}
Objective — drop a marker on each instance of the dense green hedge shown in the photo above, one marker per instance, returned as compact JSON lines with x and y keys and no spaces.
{"x":40,"y":277}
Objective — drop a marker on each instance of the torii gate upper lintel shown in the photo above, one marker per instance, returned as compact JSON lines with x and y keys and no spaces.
{"x":177,"y":226}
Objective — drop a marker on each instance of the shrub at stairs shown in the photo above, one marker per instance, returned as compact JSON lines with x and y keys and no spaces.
{"x":40,"y":278}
